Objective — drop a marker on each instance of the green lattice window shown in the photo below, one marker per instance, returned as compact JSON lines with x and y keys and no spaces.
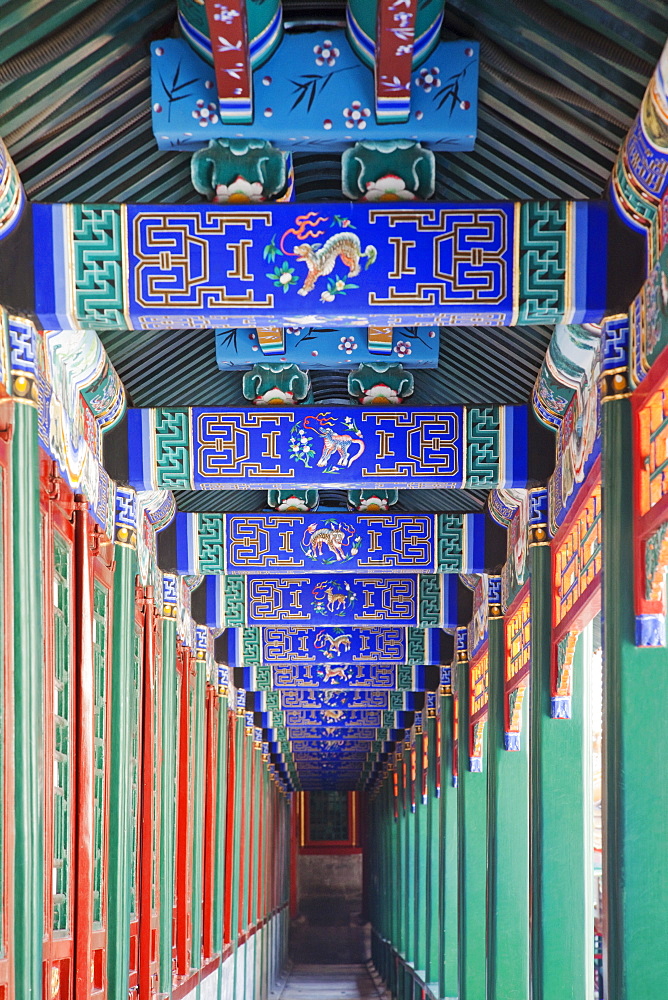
{"x":328,"y":816}
{"x":62,"y":749}
{"x":100,"y":604}
{"x":134,"y":767}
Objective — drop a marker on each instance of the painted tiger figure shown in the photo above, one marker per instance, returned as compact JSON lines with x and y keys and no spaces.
{"x":320,"y":260}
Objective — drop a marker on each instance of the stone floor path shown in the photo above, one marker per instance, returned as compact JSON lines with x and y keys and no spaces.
{"x":330,"y":982}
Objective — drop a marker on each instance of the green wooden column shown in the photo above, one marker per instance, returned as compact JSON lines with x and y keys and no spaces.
{"x":472,"y":819}
{"x":167,"y":801}
{"x":408,"y":887}
{"x":420,"y":820}
{"x":448,"y":862}
{"x":219,"y":843}
{"x":28,"y":703}
{"x":561,"y":866}
{"x":398,"y":854}
{"x":635,"y":744}
{"x":120,"y":812}
{"x":507,"y":839}
{"x":237,"y":860}
{"x":432,"y":855}
{"x":389,"y":873}
{"x":199,"y":738}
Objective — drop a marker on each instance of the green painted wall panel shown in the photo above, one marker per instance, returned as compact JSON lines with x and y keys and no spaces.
{"x":198,"y":815}
{"x":561,"y":867}
{"x":28,"y":717}
{"x":635,"y":749}
{"x":472,"y":843}
{"x":508,"y":940}
{"x":167,"y":802}
{"x":120,"y":832}
{"x":449,"y":862}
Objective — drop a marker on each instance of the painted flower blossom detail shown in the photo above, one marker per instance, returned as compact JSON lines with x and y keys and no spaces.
{"x":295,"y":330}
{"x":336,"y":286}
{"x":326,"y":54}
{"x":388,"y":188}
{"x":293,"y":503}
{"x":240,"y":190}
{"x":224,"y":14}
{"x":373,"y":503}
{"x":348,"y":344}
{"x":275,"y":397}
{"x":283,"y":276}
{"x":205,"y":114}
{"x":402,"y":348}
{"x":381,"y":395}
{"x":300,"y":446}
{"x":428,"y":78}
{"x":356,"y":115}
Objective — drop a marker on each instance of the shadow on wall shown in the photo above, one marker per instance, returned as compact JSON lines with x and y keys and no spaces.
{"x":329,"y":928}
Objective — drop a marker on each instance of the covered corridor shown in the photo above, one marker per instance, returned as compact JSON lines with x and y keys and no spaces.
{"x":330,"y":982}
{"x":333,"y":499}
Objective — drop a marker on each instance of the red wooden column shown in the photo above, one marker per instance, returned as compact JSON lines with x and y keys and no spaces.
{"x":229,"y":828}
{"x":296,"y":817}
{"x":60,"y":610}
{"x":210,"y":811}
{"x":187,"y":677}
{"x":6,"y":705}
{"x":149,"y":815}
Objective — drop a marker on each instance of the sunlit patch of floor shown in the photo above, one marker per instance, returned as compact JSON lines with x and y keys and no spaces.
{"x":330,"y":982}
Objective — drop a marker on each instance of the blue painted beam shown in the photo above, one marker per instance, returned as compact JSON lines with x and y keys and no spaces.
{"x":332,"y":347}
{"x":328,"y":602}
{"x":288,"y":646}
{"x":149,"y":267}
{"x":356,"y":447}
{"x":213,"y":544}
{"x":313,"y":93}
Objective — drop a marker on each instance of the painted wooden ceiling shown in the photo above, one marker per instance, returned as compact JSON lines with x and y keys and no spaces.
{"x":560,"y":83}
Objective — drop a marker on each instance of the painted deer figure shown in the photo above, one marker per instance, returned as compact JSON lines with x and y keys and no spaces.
{"x":320,"y":260}
{"x":335,"y":602}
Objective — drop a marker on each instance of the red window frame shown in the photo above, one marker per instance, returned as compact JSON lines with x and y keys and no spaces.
{"x":478,"y":702}
{"x":586,"y":605}
{"x":58,"y":950}
{"x":351,"y":845}
{"x":100,"y":550}
{"x":650,"y":509}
